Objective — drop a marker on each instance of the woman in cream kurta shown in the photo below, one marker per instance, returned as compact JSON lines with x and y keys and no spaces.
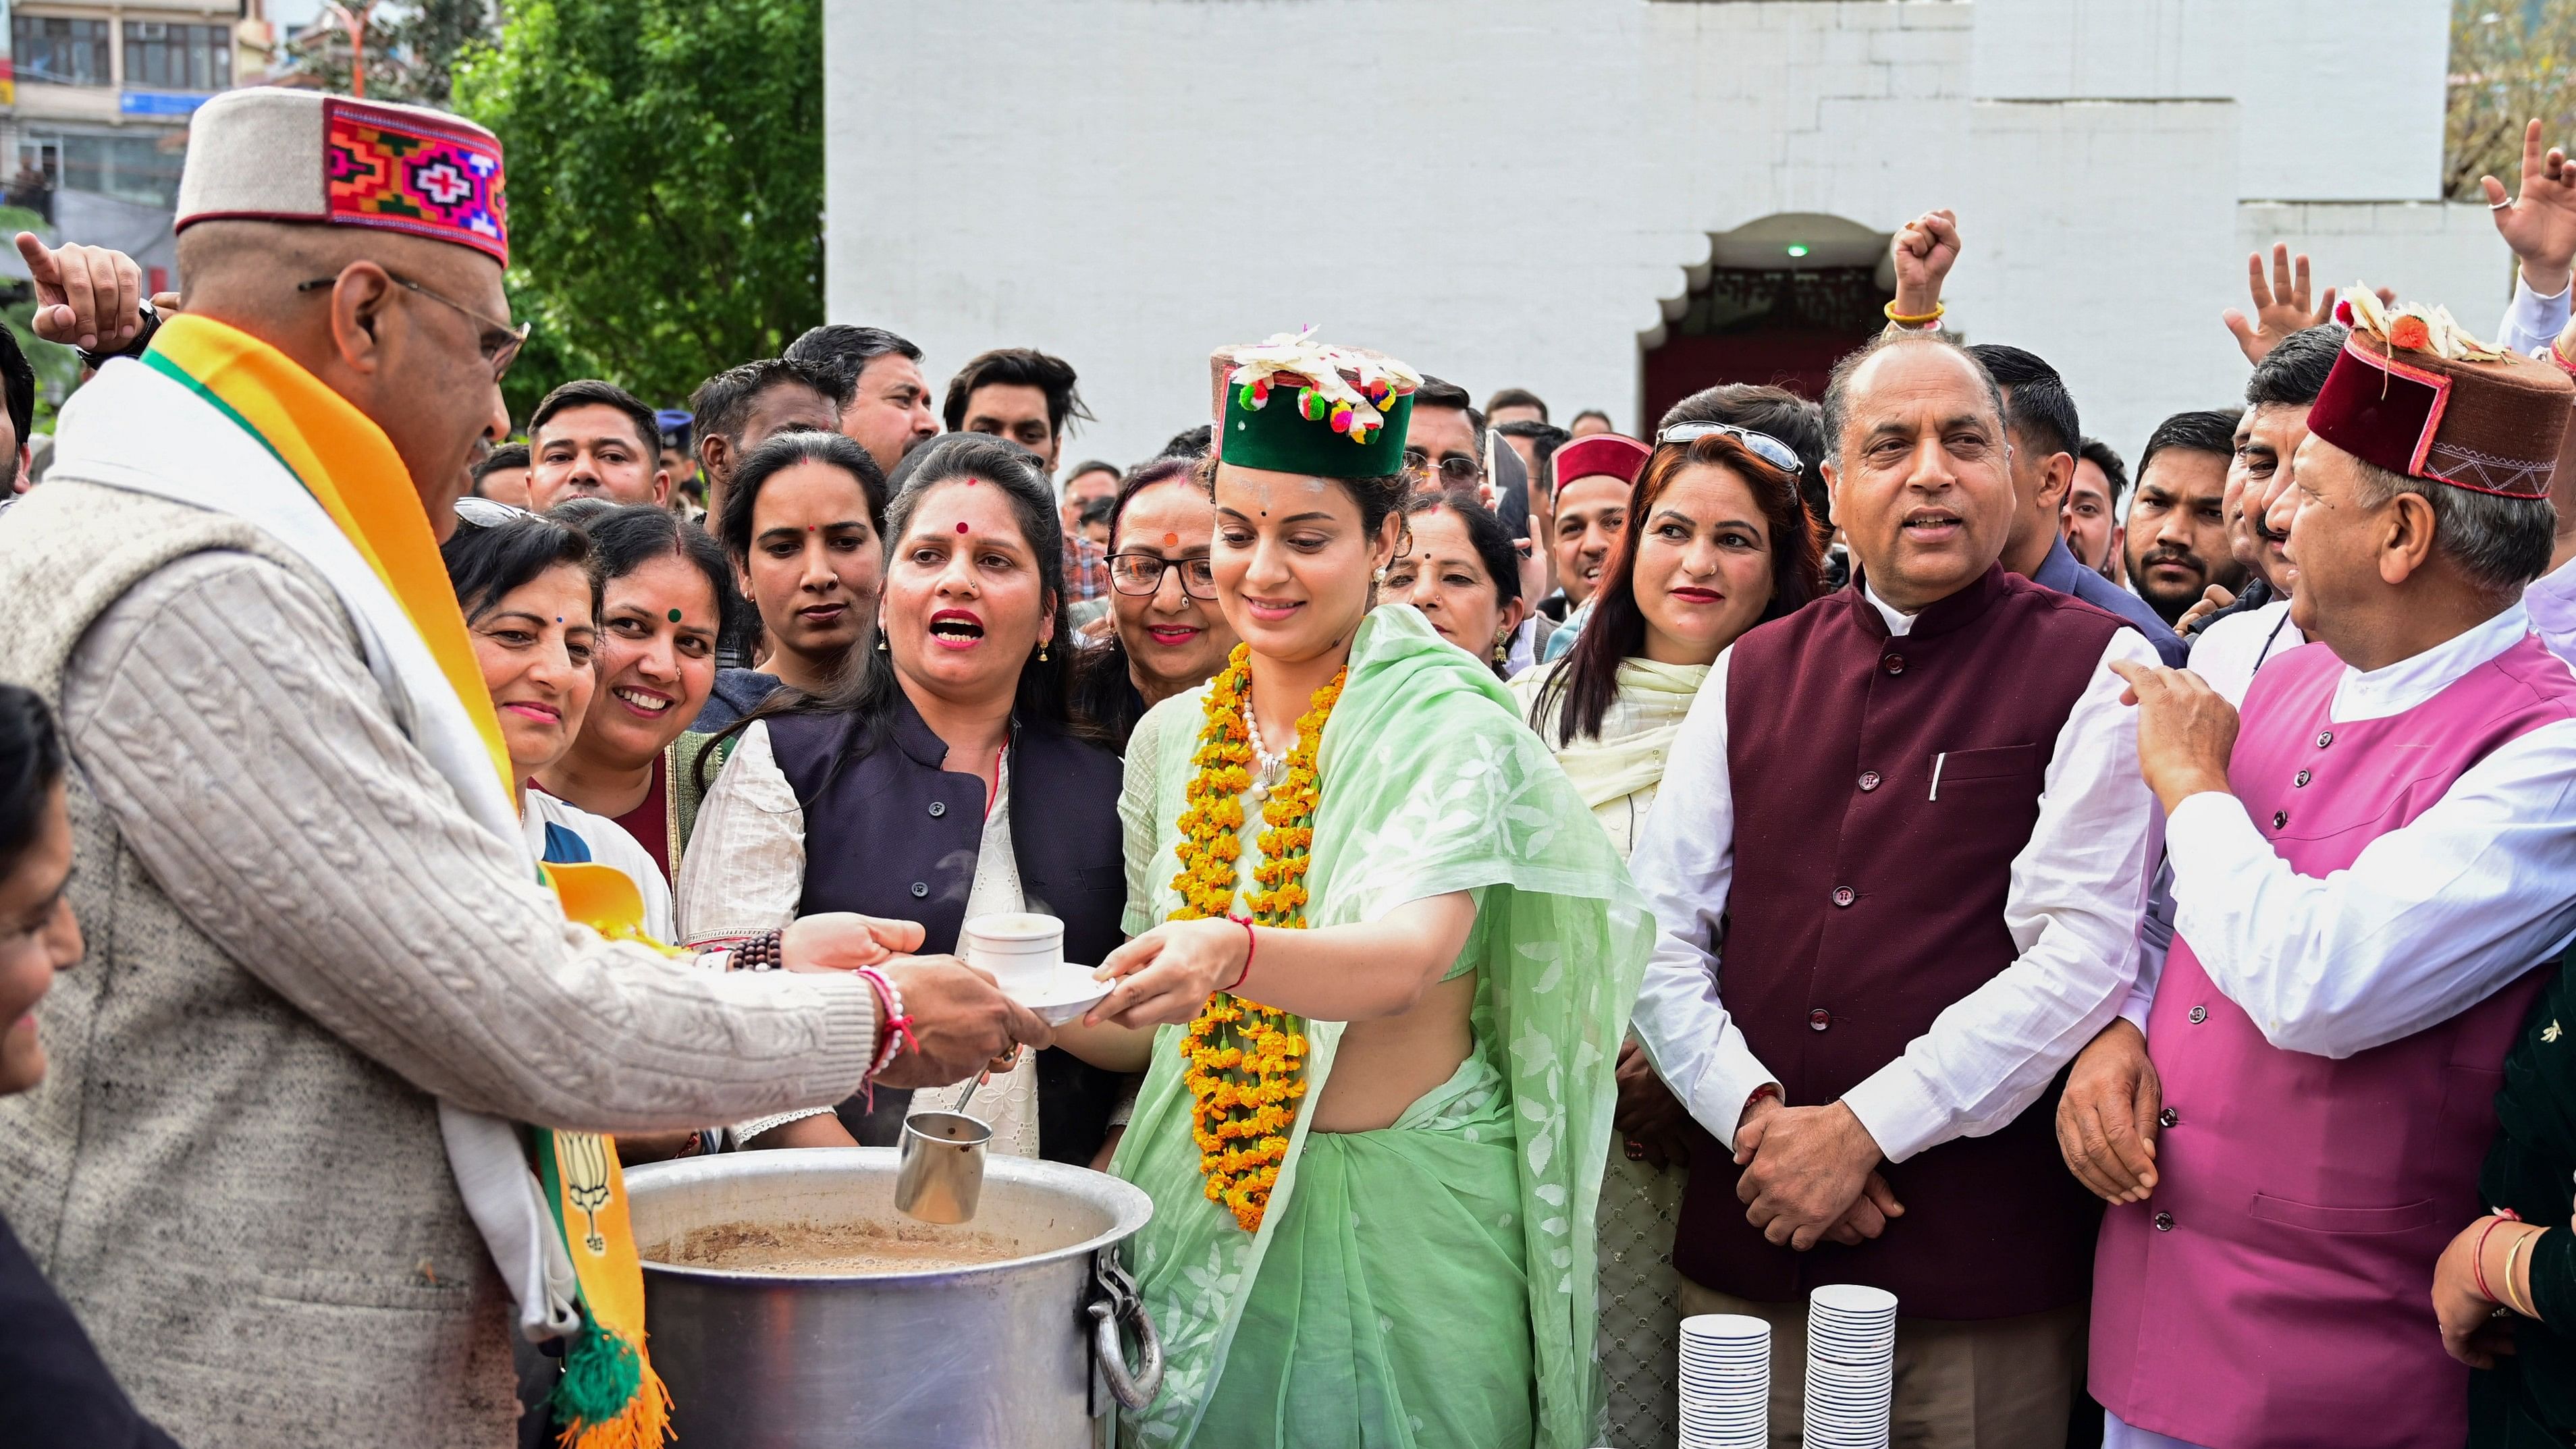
{"x":745,"y":873}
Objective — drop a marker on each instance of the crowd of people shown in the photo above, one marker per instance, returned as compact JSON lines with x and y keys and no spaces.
{"x":1547,"y":881}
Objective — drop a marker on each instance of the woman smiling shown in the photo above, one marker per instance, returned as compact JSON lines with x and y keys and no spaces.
{"x":525,"y":586}
{"x":1458,"y":568}
{"x":1349,"y":952}
{"x":940,"y":779}
{"x":1714,"y":541}
{"x":1165,"y":633}
{"x":662,"y":591}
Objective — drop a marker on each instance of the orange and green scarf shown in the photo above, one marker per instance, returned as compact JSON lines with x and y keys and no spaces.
{"x":609,"y":1396}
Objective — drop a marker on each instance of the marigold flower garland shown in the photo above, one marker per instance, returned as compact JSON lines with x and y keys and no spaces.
{"x":1247,"y":1063}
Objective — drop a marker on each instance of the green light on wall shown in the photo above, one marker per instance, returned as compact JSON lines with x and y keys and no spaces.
{"x":1797,"y":249}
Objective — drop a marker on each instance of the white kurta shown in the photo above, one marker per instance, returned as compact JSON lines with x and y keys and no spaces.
{"x":745,"y":874}
{"x":2229,"y":651}
{"x":2072,"y":907}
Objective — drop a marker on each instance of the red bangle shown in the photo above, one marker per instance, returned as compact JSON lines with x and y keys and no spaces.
{"x":2478,"y":1260}
{"x":1251,"y":946}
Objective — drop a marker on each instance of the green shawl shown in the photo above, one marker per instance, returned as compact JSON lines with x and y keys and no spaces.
{"x":1430,"y":784}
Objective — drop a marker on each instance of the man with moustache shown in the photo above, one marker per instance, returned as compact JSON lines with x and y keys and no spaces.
{"x":2176,"y":546}
{"x":1938,"y":904}
{"x":2233,"y":644}
{"x":594,"y":439}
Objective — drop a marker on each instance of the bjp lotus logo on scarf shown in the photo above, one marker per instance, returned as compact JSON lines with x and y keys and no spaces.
{"x":582,"y":1158}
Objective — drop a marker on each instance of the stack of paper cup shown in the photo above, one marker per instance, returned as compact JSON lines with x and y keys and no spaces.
{"x":1726,"y":1382}
{"x":1851,"y":1360}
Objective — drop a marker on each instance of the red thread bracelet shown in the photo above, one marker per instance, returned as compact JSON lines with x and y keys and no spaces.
{"x":1251,"y":947}
{"x":2478,"y":1258}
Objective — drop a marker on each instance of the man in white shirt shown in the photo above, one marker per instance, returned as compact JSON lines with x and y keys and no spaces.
{"x":2228,"y":650}
{"x":2365,"y":882}
{"x":1937,"y":905}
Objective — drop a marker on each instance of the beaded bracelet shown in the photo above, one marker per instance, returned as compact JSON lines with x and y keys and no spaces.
{"x":894,"y":1028}
{"x":760,"y":953}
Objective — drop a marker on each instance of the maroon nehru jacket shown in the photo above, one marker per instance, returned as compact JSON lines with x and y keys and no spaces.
{"x":1862,"y":906}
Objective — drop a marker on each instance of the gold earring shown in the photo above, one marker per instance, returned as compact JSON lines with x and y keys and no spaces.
{"x":881,"y":644}
{"x":1042,"y":654}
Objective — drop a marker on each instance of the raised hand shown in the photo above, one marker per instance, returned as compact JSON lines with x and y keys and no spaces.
{"x":1924,"y":250}
{"x":2539,"y":222}
{"x":2282,"y":304}
{"x":85,"y":296}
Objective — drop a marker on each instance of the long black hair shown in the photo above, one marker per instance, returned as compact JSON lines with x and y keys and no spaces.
{"x":1104,"y":684}
{"x":486,"y":561}
{"x":780,"y":453}
{"x":869,"y":689}
{"x":1580,"y":688}
{"x":1485,"y":535}
{"x":31,"y":761}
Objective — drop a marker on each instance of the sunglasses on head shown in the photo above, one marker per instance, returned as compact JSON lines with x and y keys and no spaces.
{"x":1762,"y":445}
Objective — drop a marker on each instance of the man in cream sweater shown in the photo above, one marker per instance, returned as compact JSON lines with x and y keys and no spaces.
{"x":273,"y":1168}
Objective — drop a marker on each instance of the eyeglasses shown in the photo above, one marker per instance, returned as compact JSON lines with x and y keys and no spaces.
{"x":1762,"y":445}
{"x":489,"y":512}
{"x":501,"y":340}
{"x":1142,"y":573}
{"x":1455,"y":471}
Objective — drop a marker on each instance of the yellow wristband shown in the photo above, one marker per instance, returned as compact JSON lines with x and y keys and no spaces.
{"x":1938,"y":308}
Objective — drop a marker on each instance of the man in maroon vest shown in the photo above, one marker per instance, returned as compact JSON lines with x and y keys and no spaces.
{"x":1909,"y":816}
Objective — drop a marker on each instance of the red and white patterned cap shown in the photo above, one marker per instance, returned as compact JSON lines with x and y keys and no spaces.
{"x":271,"y":154}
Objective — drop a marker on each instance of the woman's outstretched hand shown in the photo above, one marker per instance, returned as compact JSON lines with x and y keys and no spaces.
{"x":1167,"y":974}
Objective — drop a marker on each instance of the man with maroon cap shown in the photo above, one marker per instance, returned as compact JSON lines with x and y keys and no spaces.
{"x":2370,"y":870}
{"x":1910,"y":810}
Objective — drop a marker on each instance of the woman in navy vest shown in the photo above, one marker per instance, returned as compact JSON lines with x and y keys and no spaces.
{"x":943,"y":779}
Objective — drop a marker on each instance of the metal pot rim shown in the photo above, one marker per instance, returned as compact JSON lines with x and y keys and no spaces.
{"x":1128,"y":1207}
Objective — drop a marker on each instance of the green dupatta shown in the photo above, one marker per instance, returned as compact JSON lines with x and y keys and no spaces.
{"x":1430,"y":785}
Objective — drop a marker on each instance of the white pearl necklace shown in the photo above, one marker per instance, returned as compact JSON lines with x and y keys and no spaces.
{"x":1268,"y":769}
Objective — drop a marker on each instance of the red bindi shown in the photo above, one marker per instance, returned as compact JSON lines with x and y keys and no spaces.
{"x":1171,"y":540}
{"x":961,"y":528}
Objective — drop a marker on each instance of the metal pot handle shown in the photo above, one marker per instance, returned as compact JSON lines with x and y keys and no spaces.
{"x":1121,"y":1302}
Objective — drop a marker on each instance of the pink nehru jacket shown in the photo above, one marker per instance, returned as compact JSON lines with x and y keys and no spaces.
{"x":2274,"y":1290}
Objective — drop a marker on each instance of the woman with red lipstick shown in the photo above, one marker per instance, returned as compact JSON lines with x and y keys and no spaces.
{"x":1377,"y":1095}
{"x":524,"y":583}
{"x":942,"y":778}
{"x":1715,"y":541}
{"x":663,"y":589}
{"x":803,"y":515}
{"x":1459,"y":569}
{"x":1166,"y":634}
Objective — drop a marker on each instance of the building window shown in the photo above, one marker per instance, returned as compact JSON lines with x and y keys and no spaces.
{"x":167,"y":57}
{"x":65,"y":52}
{"x":143,"y":169}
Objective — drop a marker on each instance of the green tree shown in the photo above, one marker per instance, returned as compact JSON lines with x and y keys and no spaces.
{"x":665,"y":180}
{"x":2511,"y":60}
{"x":412,"y":49}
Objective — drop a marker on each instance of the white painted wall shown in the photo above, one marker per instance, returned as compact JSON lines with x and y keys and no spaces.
{"x":1505,"y":192}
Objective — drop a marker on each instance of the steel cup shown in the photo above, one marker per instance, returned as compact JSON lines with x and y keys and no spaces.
{"x":939,"y":1173}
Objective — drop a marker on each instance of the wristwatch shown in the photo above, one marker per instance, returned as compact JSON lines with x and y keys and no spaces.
{"x":150,"y":318}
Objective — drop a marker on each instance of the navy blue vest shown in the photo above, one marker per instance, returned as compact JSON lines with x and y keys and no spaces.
{"x":894,"y":834}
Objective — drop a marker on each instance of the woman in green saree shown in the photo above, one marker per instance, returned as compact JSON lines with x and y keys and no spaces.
{"x":1378,"y":1091}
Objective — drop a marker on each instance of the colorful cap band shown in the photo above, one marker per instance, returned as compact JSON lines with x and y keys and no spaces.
{"x":269,"y":154}
{"x":2413,"y":394}
{"x":1295,"y":405}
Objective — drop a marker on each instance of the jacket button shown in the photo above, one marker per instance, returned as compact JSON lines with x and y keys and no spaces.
{"x":1893,"y":664}
{"x":2199,"y":1014}
{"x":2164,"y":1222}
{"x":2324,"y":738}
{"x":940,"y":807}
{"x":1869,"y":779}
{"x":2280,"y":818}
{"x":1819,"y":1019}
{"x":2168,"y":1117}
{"x":920,"y":889}
{"x":1844,"y":895}
{"x":2303,"y":778}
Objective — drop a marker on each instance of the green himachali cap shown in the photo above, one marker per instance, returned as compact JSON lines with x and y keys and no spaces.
{"x":1295,"y":405}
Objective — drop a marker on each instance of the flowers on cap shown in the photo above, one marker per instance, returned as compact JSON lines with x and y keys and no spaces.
{"x":1342,"y":386}
{"x":2411,"y":327}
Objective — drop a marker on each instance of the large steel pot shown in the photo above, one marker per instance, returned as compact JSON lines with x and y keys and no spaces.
{"x":999,"y":1354}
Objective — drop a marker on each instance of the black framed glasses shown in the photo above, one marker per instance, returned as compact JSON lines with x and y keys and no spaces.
{"x":1142,"y":573}
{"x":1762,"y":445}
{"x":1454,"y":471}
{"x":501,"y":340}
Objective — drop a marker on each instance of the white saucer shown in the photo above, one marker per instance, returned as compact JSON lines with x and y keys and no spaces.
{"x":1063,"y":993}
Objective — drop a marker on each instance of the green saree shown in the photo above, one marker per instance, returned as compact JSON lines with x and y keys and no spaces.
{"x":1429,"y":1283}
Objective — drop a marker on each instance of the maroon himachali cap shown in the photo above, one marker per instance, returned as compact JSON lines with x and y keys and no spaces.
{"x":2415,"y":395}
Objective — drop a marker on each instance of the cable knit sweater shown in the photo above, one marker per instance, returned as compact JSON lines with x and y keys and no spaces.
{"x":298,"y":941}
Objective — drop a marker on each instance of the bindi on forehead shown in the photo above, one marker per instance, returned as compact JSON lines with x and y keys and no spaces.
{"x":961,"y":526}
{"x":675,"y":616}
{"x":1171,"y":540}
